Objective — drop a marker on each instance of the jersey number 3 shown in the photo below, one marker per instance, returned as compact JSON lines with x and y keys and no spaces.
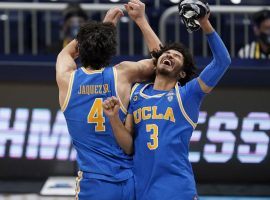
{"x":96,"y":115}
{"x":152,"y":128}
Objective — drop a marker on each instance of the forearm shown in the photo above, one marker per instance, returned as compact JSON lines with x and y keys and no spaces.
{"x":151,"y":39}
{"x":207,"y":27}
{"x":122,"y":134}
{"x":71,"y":49}
{"x":217,"y":46}
{"x":221,"y":60}
{"x":65,"y":59}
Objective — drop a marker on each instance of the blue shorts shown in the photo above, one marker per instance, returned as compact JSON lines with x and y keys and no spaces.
{"x":96,"y":189}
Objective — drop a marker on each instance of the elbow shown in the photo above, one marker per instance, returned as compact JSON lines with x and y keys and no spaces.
{"x":60,"y":54}
{"x":224,"y":61}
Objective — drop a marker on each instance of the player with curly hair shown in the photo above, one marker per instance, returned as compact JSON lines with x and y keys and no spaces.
{"x":105,"y":170}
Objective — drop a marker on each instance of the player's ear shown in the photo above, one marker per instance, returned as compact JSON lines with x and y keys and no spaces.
{"x":182,"y":74}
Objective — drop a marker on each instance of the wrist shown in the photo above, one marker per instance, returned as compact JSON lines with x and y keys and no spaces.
{"x":207,"y":27}
{"x":113,"y":118}
{"x":141,"y":21}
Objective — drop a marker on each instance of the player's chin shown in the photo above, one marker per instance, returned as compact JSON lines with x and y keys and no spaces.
{"x":165,"y":69}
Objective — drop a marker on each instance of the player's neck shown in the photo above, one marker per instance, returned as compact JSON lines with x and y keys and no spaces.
{"x":164,"y":83}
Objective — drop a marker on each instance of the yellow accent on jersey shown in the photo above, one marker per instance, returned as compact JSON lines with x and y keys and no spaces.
{"x":147,"y":96}
{"x":150,"y":112}
{"x":92,"y":72}
{"x":96,"y":115}
{"x":137,"y":114}
{"x":122,"y":107}
{"x":133,"y":89}
{"x":155,"y":115}
{"x":64,"y":106}
{"x":182,"y":107}
{"x":77,"y":189}
{"x":169,"y":115}
{"x":145,"y":115}
{"x":154,"y":136}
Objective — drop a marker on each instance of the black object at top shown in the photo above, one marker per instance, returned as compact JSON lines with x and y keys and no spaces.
{"x":260,"y":16}
{"x":190,"y":11}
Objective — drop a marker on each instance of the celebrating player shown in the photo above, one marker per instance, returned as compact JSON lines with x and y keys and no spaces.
{"x":105,"y":170}
{"x":162,"y":116}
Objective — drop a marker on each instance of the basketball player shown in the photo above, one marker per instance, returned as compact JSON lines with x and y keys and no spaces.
{"x":162,"y":116}
{"x":105,"y":170}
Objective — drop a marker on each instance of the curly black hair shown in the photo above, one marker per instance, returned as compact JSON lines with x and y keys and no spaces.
{"x":96,"y":44}
{"x":189,"y":64}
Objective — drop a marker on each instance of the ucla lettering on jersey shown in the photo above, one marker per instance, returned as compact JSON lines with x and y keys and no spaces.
{"x":98,"y":153}
{"x":163,"y":127}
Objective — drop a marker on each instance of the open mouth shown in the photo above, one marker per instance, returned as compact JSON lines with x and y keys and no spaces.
{"x":167,"y":62}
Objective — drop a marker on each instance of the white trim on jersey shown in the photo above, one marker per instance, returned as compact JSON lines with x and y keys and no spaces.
{"x":148,"y":96}
{"x":78,"y":180}
{"x":122,"y":107}
{"x":70,"y":85}
{"x":193,"y":124}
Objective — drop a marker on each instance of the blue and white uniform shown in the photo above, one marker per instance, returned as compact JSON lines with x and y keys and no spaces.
{"x":163,"y":125}
{"x":105,"y":170}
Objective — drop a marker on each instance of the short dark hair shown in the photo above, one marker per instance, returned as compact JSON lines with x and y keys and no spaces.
{"x":188,"y":65}
{"x":74,"y":9}
{"x":260,"y":16}
{"x":96,"y":44}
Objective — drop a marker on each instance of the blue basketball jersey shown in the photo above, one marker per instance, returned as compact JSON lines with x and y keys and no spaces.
{"x":98,"y":153}
{"x":163,"y":124}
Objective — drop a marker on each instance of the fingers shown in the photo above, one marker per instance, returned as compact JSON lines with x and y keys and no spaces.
{"x":137,"y":2}
{"x":127,"y":7}
{"x":115,"y":101}
{"x":113,"y":15}
{"x":116,"y":12}
{"x":105,"y":105}
{"x":133,"y":5}
{"x":118,"y":16}
{"x":110,"y":103}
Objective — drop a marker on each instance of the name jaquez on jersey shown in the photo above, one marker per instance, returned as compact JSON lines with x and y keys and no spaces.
{"x":94,"y":89}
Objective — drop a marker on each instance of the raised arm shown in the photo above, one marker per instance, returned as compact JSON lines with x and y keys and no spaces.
{"x":213,"y":72}
{"x":123,"y":134}
{"x":144,"y":69}
{"x":136,"y":11}
{"x":65,"y":65}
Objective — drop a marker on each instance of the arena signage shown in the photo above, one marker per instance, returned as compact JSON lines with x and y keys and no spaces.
{"x":41,"y":134}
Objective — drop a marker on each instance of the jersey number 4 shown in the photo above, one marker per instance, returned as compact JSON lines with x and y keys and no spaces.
{"x":96,"y":115}
{"x":152,"y":128}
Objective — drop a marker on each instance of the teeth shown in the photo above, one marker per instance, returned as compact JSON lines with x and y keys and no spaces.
{"x":167,"y":62}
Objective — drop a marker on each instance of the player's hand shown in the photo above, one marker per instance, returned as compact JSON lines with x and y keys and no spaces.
{"x":135,"y":10}
{"x":204,"y":20}
{"x":111,"y":106}
{"x":113,"y":15}
{"x":205,"y":24}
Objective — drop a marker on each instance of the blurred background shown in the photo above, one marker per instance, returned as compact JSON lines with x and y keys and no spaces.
{"x":229,"y":150}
